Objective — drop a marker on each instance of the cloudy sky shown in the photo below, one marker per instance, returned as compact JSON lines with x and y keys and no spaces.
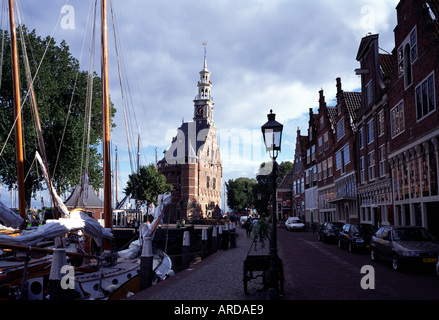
{"x":263,"y":54}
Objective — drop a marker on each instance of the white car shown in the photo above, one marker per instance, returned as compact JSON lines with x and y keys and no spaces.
{"x":294,"y":223}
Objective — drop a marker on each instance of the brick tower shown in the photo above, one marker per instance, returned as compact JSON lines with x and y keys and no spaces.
{"x":192,"y":164}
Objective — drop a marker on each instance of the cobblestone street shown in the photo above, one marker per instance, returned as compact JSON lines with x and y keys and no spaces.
{"x":218,"y":277}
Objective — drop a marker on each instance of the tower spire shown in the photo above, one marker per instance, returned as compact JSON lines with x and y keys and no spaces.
{"x":203,"y":104}
{"x":205,"y":54}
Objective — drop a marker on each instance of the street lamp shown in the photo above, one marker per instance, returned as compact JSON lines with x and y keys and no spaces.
{"x":272,"y":133}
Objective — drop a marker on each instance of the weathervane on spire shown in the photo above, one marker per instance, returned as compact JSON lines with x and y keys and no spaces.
{"x":205,"y":49}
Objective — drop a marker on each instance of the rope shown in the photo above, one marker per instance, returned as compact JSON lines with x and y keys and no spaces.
{"x":33,"y":79}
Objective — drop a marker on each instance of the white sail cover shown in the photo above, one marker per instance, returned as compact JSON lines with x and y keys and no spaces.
{"x":145,"y":229}
{"x":77,"y":220}
{"x":9,"y":218}
{"x":58,"y":202}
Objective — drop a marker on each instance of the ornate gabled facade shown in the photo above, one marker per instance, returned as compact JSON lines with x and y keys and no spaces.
{"x":192,"y":164}
{"x":326,"y":192}
{"x":345,"y":201}
{"x":298,"y":178}
{"x":414,"y":115}
{"x":373,"y":172}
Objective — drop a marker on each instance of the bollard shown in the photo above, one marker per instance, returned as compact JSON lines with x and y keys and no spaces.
{"x":59,"y":290}
{"x":220,"y":237}
{"x":146,"y":262}
{"x":232,"y":235}
{"x":214,"y":239}
{"x":186,"y":250}
{"x":204,"y":251}
{"x":225,"y":238}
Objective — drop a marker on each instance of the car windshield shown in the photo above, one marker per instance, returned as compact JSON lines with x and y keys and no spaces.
{"x":409,"y":234}
{"x":331,"y":226}
{"x":363,"y":228}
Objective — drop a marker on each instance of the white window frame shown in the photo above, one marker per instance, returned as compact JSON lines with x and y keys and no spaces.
{"x":400,"y":111}
{"x":370,"y":137}
{"x":419,"y":86}
{"x":371,"y":165}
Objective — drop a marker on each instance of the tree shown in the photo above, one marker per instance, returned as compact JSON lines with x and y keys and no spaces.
{"x":240,"y":193}
{"x":57,"y":98}
{"x":147,"y":185}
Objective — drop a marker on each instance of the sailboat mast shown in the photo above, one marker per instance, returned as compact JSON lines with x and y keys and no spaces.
{"x":17,"y":114}
{"x":106,"y":119}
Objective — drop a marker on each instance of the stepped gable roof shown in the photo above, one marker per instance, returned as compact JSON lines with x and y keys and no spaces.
{"x":353,"y":103}
{"x":286,"y":182}
{"x":332,"y":113}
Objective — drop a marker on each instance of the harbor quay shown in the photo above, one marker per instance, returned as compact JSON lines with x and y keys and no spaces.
{"x":217,"y":277}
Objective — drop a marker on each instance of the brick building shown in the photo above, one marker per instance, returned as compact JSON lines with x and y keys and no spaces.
{"x":192,"y":164}
{"x":372,"y":139}
{"x":377,"y":156}
{"x":345,"y":200}
{"x":311,"y":205}
{"x":298,"y":177}
{"x":414,"y":117}
{"x":326,"y":192}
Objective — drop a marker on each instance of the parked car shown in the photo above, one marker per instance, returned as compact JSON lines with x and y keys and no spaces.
{"x":404,"y":245}
{"x":294,"y":223}
{"x":356,"y":236}
{"x":329,"y":231}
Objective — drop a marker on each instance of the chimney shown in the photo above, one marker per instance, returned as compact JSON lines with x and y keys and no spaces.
{"x":339,"y":90}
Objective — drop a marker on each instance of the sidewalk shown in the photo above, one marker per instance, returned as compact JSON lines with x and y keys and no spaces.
{"x":218,"y":277}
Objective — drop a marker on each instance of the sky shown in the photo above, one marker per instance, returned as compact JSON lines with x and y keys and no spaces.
{"x":263,"y":54}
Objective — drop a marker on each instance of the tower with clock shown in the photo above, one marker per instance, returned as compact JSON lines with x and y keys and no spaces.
{"x":192,"y":164}
{"x":203,"y":104}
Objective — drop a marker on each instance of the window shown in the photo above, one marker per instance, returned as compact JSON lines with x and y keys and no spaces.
{"x":340,"y":129}
{"x":368,"y":95}
{"x":330,"y":167}
{"x":325,"y":169}
{"x":361,"y":138}
{"x":369,"y":128}
{"x":313,"y":153}
{"x":407,"y":54}
{"x":326,"y":140}
{"x":381,"y":159}
{"x":319,"y":171}
{"x":362,"y":170}
{"x":397,"y":121}
{"x":308,"y":156}
{"x":320,"y":145}
{"x":380,"y":126}
{"x":371,"y":165}
{"x":425,"y":98}
{"x":413,"y":45}
{"x":207,"y":182}
{"x":342,"y":158}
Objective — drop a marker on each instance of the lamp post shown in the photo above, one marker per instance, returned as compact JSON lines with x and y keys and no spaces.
{"x":272,"y":133}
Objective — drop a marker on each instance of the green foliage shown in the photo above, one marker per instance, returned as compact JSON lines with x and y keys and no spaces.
{"x":236,"y":193}
{"x":147,"y":185}
{"x":54,"y":86}
{"x":261,"y":231}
